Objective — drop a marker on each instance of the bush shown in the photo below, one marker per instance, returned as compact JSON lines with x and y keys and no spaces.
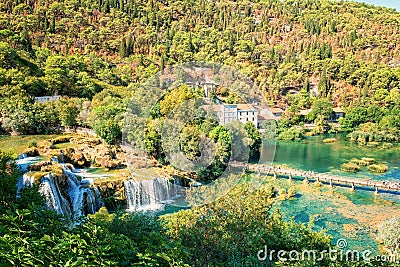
{"x":32,"y":143}
{"x":230,"y":231}
{"x":293,"y":133}
{"x":109,"y":131}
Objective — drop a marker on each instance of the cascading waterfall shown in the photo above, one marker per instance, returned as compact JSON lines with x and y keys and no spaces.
{"x":24,"y":161}
{"x":22,"y":156}
{"x":81,"y":196}
{"x":25,"y":181}
{"x":84,"y":197}
{"x":149,"y":194}
{"x":54,"y":199}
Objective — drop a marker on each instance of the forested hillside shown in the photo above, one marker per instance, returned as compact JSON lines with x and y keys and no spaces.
{"x":305,"y":55}
{"x":95,"y":53}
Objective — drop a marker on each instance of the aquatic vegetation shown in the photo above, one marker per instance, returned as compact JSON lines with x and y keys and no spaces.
{"x":379,"y":168}
{"x":330,"y":140}
{"x":363,"y":161}
{"x":355,"y":165}
{"x":368,"y":161}
{"x":372,"y":144}
{"x":387,"y":145}
{"x":291,"y":192}
{"x":350,"y":167}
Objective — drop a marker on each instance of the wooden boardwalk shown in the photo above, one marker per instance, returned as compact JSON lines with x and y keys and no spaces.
{"x":332,"y":180}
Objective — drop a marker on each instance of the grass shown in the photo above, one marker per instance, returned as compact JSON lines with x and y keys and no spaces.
{"x":18,"y":144}
{"x":62,"y":145}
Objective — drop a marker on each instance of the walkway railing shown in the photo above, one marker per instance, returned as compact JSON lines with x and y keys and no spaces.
{"x":289,"y":173}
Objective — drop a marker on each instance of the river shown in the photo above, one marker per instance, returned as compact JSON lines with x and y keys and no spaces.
{"x":353,"y":216}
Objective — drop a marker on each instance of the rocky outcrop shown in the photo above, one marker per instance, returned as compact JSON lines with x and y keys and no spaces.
{"x":61,"y":139}
{"x":86,"y":152}
{"x":101,"y":155}
{"x":112,"y":192}
{"x":37,"y":167}
{"x":57,"y":172}
{"x":75,"y":156}
{"x":31,"y":152}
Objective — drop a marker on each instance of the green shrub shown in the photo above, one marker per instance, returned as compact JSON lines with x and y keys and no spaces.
{"x":293,"y":133}
{"x":32,"y":143}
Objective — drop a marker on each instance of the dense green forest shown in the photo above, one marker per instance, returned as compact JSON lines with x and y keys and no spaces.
{"x":96,"y":52}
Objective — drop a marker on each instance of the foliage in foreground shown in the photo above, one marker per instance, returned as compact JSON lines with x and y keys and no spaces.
{"x":231,"y":230}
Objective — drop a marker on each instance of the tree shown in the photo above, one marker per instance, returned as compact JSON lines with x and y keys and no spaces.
{"x":324,"y":85}
{"x":122,"y":48}
{"x":56,"y":75}
{"x":307,"y":86}
{"x":236,"y":226}
{"x":190,"y":141}
{"x":174,"y":98}
{"x":255,"y":138}
{"x":8,"y":56}
{"x":68,"y":110}
{"x":321,"y":107}
{"x":106,"y":119}
{"x":109,"y":130}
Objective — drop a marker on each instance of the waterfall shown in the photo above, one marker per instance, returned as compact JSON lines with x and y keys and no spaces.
{"x":149,"y":194}
{"x":25,"y":181}
{"x":84,"y":197}
{"x":54,"y":199}
{"x":54,"y":159}
{"x":77,"y":199}
{"x":24,"y":161}
{"x":22,"y":156}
